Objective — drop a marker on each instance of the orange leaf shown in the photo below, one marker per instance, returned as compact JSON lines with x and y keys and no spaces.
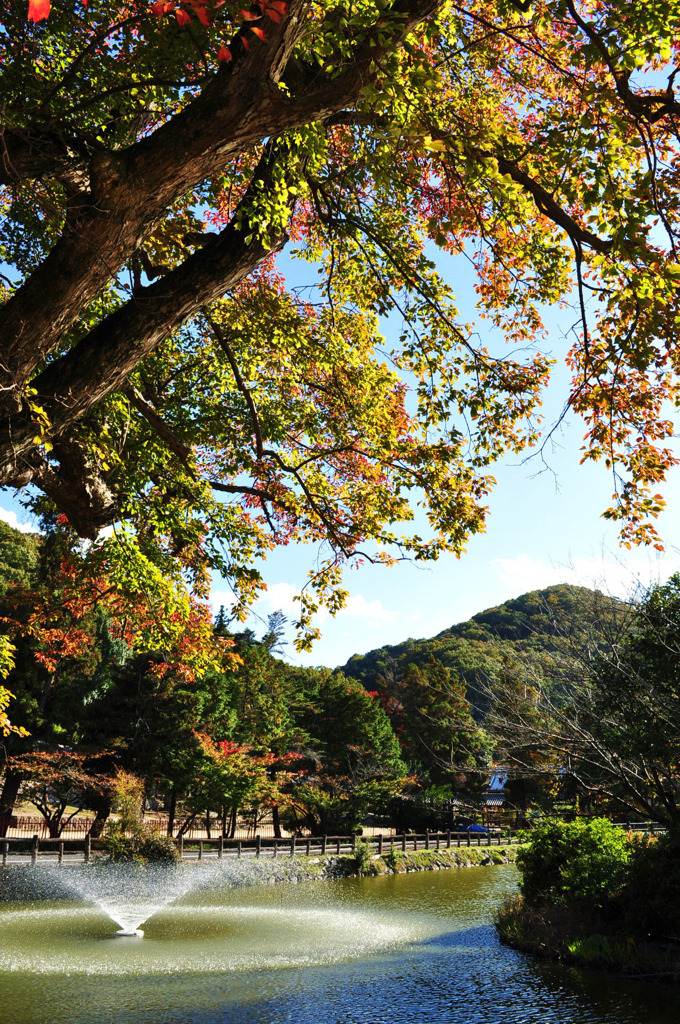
{"x":249,"y":16}
{"x":203,"y":16}
{"x":183,"y":18}
{"x":38,"y":9}
{"x":161,"y":8}
{"x":258,"y":32}
{"x":224,"y":53}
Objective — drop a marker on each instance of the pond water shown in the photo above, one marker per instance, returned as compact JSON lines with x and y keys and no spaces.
{"x":401,"y":949}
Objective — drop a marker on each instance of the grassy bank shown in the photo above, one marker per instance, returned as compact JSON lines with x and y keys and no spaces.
{"x":570,"y":935}
{"x":398,"y":862}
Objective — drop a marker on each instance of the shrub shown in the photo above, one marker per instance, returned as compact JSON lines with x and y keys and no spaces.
{"x":649,"y":902}
{"x":581,"y":861}
{"x":362,"y":856}
{"x":129,"y":839}
{"x":143,"y":845}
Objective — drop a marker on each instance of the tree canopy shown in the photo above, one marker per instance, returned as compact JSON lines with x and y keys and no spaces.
{"x":157,"y":371}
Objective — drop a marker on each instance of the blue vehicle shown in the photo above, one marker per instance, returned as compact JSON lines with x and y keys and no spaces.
{"x":472,"y":828}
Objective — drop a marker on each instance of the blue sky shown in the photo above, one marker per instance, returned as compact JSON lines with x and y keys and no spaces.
{"x":544,"y":527}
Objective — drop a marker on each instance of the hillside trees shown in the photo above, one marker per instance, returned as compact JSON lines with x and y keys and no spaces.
{"x":156,"y":369}
{"x":606,"y":725}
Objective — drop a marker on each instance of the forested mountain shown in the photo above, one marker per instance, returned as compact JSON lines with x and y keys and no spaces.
{"x":531,"y":635}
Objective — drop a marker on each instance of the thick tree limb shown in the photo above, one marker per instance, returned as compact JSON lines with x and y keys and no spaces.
{"x":131,"y":189}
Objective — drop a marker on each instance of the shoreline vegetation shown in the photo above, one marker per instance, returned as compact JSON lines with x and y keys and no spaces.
{"x":363,"y":863}
{"x":597,"y":897}
{"x":563,"y":935}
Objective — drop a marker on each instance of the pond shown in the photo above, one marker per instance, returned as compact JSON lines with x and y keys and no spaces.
{"x":415,"y":948}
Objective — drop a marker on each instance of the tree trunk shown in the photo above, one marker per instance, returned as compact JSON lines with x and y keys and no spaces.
{"x":103,"y":810}
{"x":186,"y":825}
{"x":207,"y":822}
{"x":277,"y":821}
{"x":10,"y":792}
{"x":172,"y":810}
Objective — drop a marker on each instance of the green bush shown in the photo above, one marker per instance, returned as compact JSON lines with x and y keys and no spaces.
{"x":649,"y":902}
{"x":362,"y":856}
{"x":143,"y":845}
{"x":582,"y":861}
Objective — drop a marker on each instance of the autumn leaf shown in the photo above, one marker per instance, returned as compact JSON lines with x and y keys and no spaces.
{"x":38,"y":10}
{"x":224,"y":53}
{"x":258,"y":32}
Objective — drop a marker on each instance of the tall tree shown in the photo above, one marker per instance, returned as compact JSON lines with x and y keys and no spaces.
{"x":157,"y":156}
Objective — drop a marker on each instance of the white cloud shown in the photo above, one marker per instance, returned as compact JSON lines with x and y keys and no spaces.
{"x":371,"y":610}
{"x":607,"y":573}
{"x":8,"y":516}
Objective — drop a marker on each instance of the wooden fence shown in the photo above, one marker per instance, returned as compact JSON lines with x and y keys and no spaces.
{"x":60,"y":851}
{"x":73,"y":850}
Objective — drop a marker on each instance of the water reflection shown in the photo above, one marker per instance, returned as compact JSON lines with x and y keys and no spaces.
{"x":397,"y":950}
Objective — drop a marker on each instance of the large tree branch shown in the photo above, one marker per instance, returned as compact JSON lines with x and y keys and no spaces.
{"x":101,"y":362}
{"x":27,"y":155}
{"x":131,"y":189}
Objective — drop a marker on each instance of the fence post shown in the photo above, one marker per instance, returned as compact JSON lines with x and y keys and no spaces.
{"x":61,"y":851}
{"x":427,"y":840}
{"x":5,"y":851}
{"x":338,"y":843}
{"x":448,"y":839}
{"x":323,"y":843}
{"x":380,"y":845}
{"x":88,"y":847}
{"x":238,"y":849}
{"x":276,"y":847}
{"x":415,"y":840}
{"x":469,"y":840}
{"x":258,"y":845}
{"x":354,"y":842}
{"x":200,"y":849}
{"x":220,"y":849}
{"x":292,"y":846}
{"x":403,"y":843}
{"x":309,"y":846}
{"x":488,"y":839}
{"x":34,"y":849}
{"x":180,"y":846}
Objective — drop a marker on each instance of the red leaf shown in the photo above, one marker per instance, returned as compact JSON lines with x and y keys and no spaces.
{"x":183,"y":18}
{"x":249,"y":16}
{"x":258,"y":32}
{"x":38,"y":9}
{"x":203,"y":16}
{"x":161,"y":8}
{"x":224,"y":53}
{"x":245,"y":42}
